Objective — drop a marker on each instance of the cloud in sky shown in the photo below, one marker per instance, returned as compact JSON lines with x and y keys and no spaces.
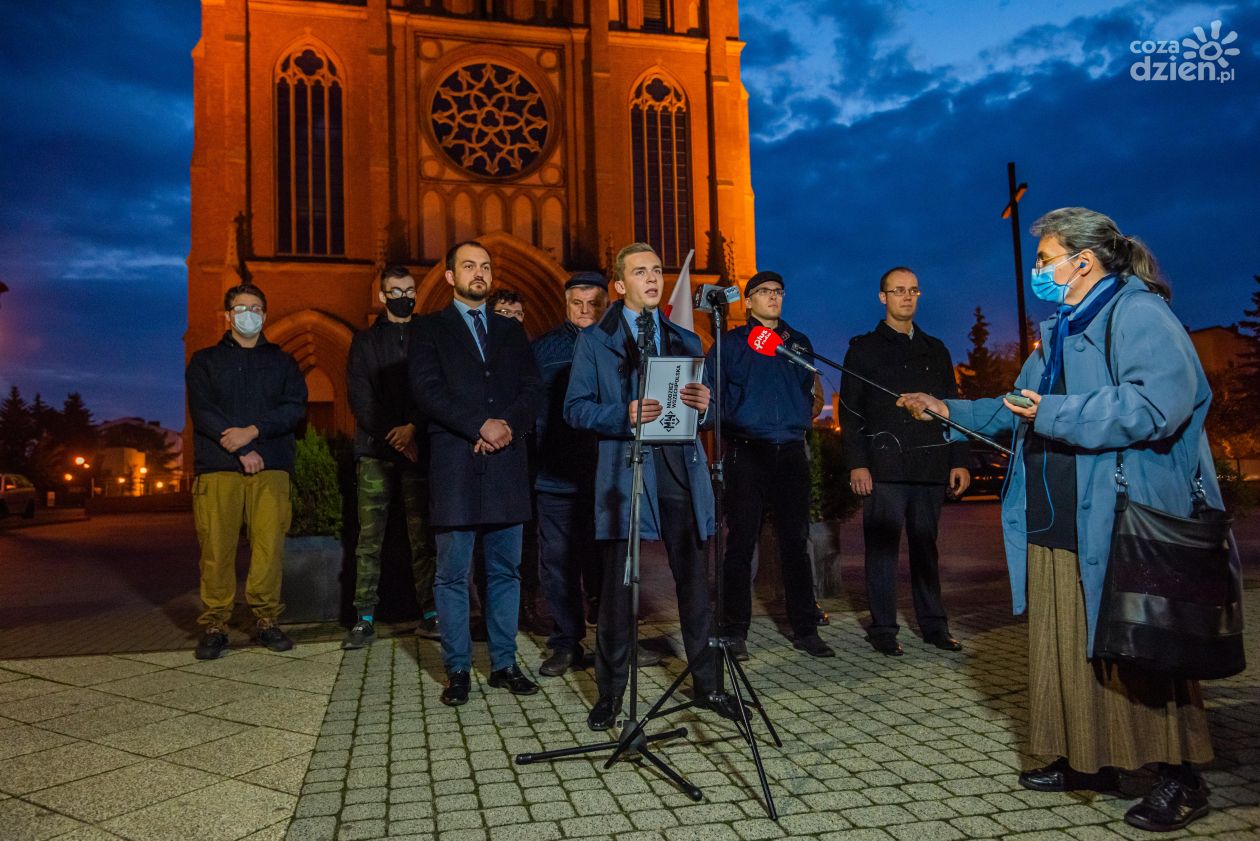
{"x":881,"y":135}
{"x":908,"y":164}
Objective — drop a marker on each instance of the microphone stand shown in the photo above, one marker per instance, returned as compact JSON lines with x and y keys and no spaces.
{"x":633,"y":740}
{"x":970,"y":433}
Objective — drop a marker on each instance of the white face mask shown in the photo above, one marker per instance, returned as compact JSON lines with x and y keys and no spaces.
{"x":248,"y":324}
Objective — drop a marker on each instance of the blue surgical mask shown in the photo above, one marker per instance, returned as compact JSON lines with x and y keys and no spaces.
{"x":1044,"y":286}
{"x":248,"y":324}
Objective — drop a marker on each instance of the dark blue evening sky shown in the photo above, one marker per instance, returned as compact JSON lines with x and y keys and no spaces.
{"x":881,"y":133}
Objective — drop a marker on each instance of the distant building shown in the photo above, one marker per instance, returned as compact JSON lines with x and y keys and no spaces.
{"x":127,"y":470}
{"x":334,"y":137}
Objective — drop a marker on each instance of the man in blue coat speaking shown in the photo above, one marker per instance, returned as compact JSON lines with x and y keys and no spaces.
{"x":677,"y":504}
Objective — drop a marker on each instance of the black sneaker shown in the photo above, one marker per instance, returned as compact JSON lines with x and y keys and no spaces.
{"x":428,"y":628}
{"x":361,"y":635}
{"x":272,"y":637}
{"x":212,"y":644}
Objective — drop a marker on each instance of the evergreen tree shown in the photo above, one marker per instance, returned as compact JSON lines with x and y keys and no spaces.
{"x":17,"y":432}
{"x":42,"y":415}
{"x":74,"y":425}
{"x":981,"y":374}
{"x":1247,"y":378}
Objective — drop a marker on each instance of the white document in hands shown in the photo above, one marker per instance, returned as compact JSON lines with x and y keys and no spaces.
{"x":666,"y":375}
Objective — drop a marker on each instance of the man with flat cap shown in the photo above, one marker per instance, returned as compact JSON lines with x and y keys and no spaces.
{"x":565,"y":485}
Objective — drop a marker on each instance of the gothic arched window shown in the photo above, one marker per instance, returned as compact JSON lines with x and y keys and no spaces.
{"x":310,"y":201}
{"x":662,"y":169}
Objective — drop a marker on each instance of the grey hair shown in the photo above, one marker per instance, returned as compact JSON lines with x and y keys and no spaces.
{"x":1081,"y":229}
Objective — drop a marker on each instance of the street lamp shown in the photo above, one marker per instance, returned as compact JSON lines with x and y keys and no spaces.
{"x":79,"y":460}
{"x":1011,"y":211}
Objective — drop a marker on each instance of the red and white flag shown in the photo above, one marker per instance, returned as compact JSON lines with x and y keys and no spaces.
{"x":679,"y":307}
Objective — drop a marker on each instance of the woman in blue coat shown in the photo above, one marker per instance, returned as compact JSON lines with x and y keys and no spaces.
{"x":1096,"y":717}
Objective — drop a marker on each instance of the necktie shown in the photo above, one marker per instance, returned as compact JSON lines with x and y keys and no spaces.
{"x":649,"y":330}
{"x":479,"y":327}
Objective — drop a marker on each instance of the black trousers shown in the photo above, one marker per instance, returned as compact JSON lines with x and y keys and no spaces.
{"x":568,"y":562}
{"x":891,"y":507}
{"x":686,"y":553}
{"x":761,"y":475}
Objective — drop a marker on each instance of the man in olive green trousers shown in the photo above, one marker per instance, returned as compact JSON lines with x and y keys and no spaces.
{"x":246,"y":397}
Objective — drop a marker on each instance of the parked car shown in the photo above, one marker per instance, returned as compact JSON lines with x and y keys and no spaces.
{"x":988,"y":473}
{"x":17,"y":495}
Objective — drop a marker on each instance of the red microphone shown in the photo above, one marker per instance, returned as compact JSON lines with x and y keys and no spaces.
{"x":769,"y":343}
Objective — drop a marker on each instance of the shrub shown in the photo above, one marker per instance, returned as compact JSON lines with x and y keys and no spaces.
{"x":314,"y":493}
{"x":830,"y":497}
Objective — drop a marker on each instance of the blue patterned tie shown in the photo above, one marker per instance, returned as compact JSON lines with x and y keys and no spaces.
{"x":480,"y":327}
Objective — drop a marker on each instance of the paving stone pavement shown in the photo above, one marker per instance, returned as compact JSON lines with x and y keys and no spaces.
{"x":321,"y":744}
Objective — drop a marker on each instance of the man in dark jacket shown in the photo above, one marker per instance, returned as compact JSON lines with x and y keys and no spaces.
{"x":387,"y":452}
{"x":899,"y":466}
{"x":566,"y":481}
{"x":473,"y":377}
{"x":246,"y":397}
{"x":768,"y":407}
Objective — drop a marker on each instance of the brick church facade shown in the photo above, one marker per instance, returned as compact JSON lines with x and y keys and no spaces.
{"x":334,"y":137}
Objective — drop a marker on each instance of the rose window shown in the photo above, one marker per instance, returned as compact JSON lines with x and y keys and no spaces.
{"x":490,"y":120}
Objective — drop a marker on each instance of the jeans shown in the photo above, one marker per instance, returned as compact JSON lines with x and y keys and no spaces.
{"x":503,"y":579}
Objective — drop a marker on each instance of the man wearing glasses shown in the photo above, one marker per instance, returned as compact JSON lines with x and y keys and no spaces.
{"x":508,"y":304}
{"x":768,"y":406}
{"x":388,"y":454}
{"x":899,"y":467}
{"x":246,"y":397}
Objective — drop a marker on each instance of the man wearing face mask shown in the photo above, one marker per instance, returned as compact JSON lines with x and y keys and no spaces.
{"x":246,"y":398}
{"x":901,"y":469}
{"x":387,"y":451}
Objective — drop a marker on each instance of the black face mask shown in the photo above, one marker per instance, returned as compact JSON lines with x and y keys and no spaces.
{"x":400,"y":307}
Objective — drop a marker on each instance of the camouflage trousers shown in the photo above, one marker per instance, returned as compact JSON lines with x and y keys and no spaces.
{"x":377,"y":481}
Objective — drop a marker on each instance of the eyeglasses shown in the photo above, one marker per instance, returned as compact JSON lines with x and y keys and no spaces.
{"x":770,"y":293}
{"x":903,"y":291}
{"x":1041,"y":263}
{"x":254,"y":308}
{"x":397,"y":293}
{"x":510,"y":314}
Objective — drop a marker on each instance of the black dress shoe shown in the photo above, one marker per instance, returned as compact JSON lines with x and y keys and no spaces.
{"x":724,"y":705}
{"x":1059,"y":776}
{"x":1172,"y":804}
{"x":561,"y":661}
{"x":456,"y":691}
{"x":513,"y":680}
{"x":604,"y":714}
{"x":739,"y":650}
{"x":886,"y":645}
{"x":943,"y":641}
{"x":813,"y":646}
{"x":648,"y":657}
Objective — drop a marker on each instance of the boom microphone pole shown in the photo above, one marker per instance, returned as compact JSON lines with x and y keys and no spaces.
{"x":768,"y":343}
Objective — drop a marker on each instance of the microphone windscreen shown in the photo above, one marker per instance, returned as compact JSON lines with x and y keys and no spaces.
{"x":764,"y":340}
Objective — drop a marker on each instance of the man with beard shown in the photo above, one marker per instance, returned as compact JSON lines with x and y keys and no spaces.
{"x":474,"y":379}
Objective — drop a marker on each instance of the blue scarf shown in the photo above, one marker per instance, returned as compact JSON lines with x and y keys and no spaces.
{"x":1076,"y":317}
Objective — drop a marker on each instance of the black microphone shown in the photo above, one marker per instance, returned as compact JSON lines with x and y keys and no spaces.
{"x":768,"y":343}
{"x":711,"y":295}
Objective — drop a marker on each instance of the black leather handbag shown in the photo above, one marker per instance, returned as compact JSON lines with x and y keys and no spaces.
{"x":1172,"y":595}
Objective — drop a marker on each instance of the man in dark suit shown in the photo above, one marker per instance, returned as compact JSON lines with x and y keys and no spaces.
{"x":677,"y":503}
{"x":473,"y":376}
